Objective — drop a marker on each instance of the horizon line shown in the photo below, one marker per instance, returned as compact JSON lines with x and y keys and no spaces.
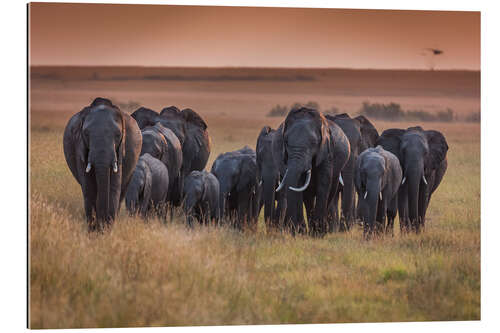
{"x":268,"y":67}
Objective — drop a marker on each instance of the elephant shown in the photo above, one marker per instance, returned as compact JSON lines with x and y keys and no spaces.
{"x":161,"y":143}
{"x":192,"y":132}
{"x":102,"y":146}
{"x":309,"y":160}
{"x":201,"y":197}
{"x":148,"y":187}
{"x":190,"y":129}
{"x":239,"y":196}
{"x":269,"y":150}
{"x":352,"y":129}
{"x":377,"y":178}
{"x":423,"y":160}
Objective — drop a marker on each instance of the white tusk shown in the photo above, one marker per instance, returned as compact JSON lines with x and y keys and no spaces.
{"x":366,"y":193}
{"x":115,"y":167}
{"x":425,"y":180}
{"x":380,"y":195}
{"x":260,"y":183}
{"x":308,"y":180}
{"x":89,"y":166}
{"x":404,"y":179}
{"x":341,"y":180}
{"x":282,"y":183}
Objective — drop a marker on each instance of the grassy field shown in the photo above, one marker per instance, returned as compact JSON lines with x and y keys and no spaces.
{"x":160,"y":275}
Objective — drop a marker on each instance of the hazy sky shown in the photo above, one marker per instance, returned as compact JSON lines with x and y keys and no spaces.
{"x":162,"y":35}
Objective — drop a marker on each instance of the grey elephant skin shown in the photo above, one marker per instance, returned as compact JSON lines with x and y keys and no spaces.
{"x":101,"y":146}
{"x":309,"y":160}
{"x":162,"y":144}
{"x":148,"y":188}
{"x":422,"y":156}
{"x":201,"y":198}
{"x":341,"y":155}
{"x":269,"y":150}
{"x":377,"y":178}
{"x":190,"y":129}
{"x":239,"y":197}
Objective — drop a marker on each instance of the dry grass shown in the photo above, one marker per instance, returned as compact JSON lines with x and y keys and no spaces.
{"x":156,"y":275}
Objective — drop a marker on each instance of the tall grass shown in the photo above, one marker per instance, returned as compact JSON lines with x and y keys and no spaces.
{"x":152,"y":274}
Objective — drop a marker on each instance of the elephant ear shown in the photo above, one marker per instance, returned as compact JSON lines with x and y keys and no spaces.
{"x":369,"y":133}
{"x":248,"y":174}
{"x":121,"y":145}
{"x":194,"y":118}
{"x":148,"y":184}
{"x":357,"y":174}
{"x":75,"y":149}
{"x":145,"y":117}
{"x":390,"y":140}
{"x":326,"y":144}
{"x":438,"y":148}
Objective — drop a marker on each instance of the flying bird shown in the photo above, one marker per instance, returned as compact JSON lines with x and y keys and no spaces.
{"x":435,"y":51}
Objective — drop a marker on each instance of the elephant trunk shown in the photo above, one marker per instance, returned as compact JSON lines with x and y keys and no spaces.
{"x":268,"y":184}
{"x":371,"y":197}
{"x":295,"y":198}
{"x":413,"y":176}
{"x":103,"y":179}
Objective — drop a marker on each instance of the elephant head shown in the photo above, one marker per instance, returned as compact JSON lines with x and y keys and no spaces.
{"x":101,"y":146}
{"x":145,"y":117}
{"x":422,"y":155}
{"x":270,"y":166}
{"x":238,"y":178}
{"x":138,"y":196}
{"x":191,"y":130}
{"x":307,"y":144}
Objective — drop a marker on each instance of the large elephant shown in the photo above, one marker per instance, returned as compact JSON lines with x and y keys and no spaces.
{"x":161,"y":143}
{"x":309,"y":160}
{"x":201,"y":197}
{"x":352,"y":130}
{"x":192,"y":132}
{"x":377,"y":178}
{"x":270,"y":165}
{"x":422,"y":155}
{"x":239,"y":196}
{"x":101,"y":146}
{"x":148,"y":187}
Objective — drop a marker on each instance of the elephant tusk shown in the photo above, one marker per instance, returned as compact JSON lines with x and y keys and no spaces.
{"x":89,"y":166}
{"x":282,"y":183}
{"x":260,"y":183}
{"x":115,"y":167}
{"x":366,"y":193}
{"x":308,"y":180}
{"x":341,"y":180}
{"x":404,"y":179}
{"x":380,"y":195}
{"x":425,"y":180}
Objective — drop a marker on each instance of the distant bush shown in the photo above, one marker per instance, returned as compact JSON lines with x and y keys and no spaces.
{"x":278,"y":111}
{"x":394,"y":112}
{"x":474,"y":117}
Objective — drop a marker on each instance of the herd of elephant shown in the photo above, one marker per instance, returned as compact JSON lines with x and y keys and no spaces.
{"x":308,"y":164}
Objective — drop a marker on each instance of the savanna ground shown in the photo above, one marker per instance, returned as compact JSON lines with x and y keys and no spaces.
{"x":151,"y":274}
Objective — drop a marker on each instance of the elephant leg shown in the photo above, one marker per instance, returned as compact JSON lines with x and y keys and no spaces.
{"x":309,"y":206}
{"x":243,"y":209}
{"x":391,"y":215}
{"x":348,"y":192}
{"x":323,"y":187}
{"x":403,"y":209}
{"x":422,"y":205}
{"x":280,"y":211}
{"x":381,"y":215}
{"x":89,"y":191}
{"x":332,"y":205}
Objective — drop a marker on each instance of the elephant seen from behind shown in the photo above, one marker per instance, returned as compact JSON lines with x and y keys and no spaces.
{"x":148,"y":188}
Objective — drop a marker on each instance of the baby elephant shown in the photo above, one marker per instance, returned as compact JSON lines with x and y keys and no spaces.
{"x":201,"y":197}
{"x":377,"y":178}
{"x":148,"y":187}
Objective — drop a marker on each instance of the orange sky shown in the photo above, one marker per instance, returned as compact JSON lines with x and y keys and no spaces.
{"x":161,"y":35}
